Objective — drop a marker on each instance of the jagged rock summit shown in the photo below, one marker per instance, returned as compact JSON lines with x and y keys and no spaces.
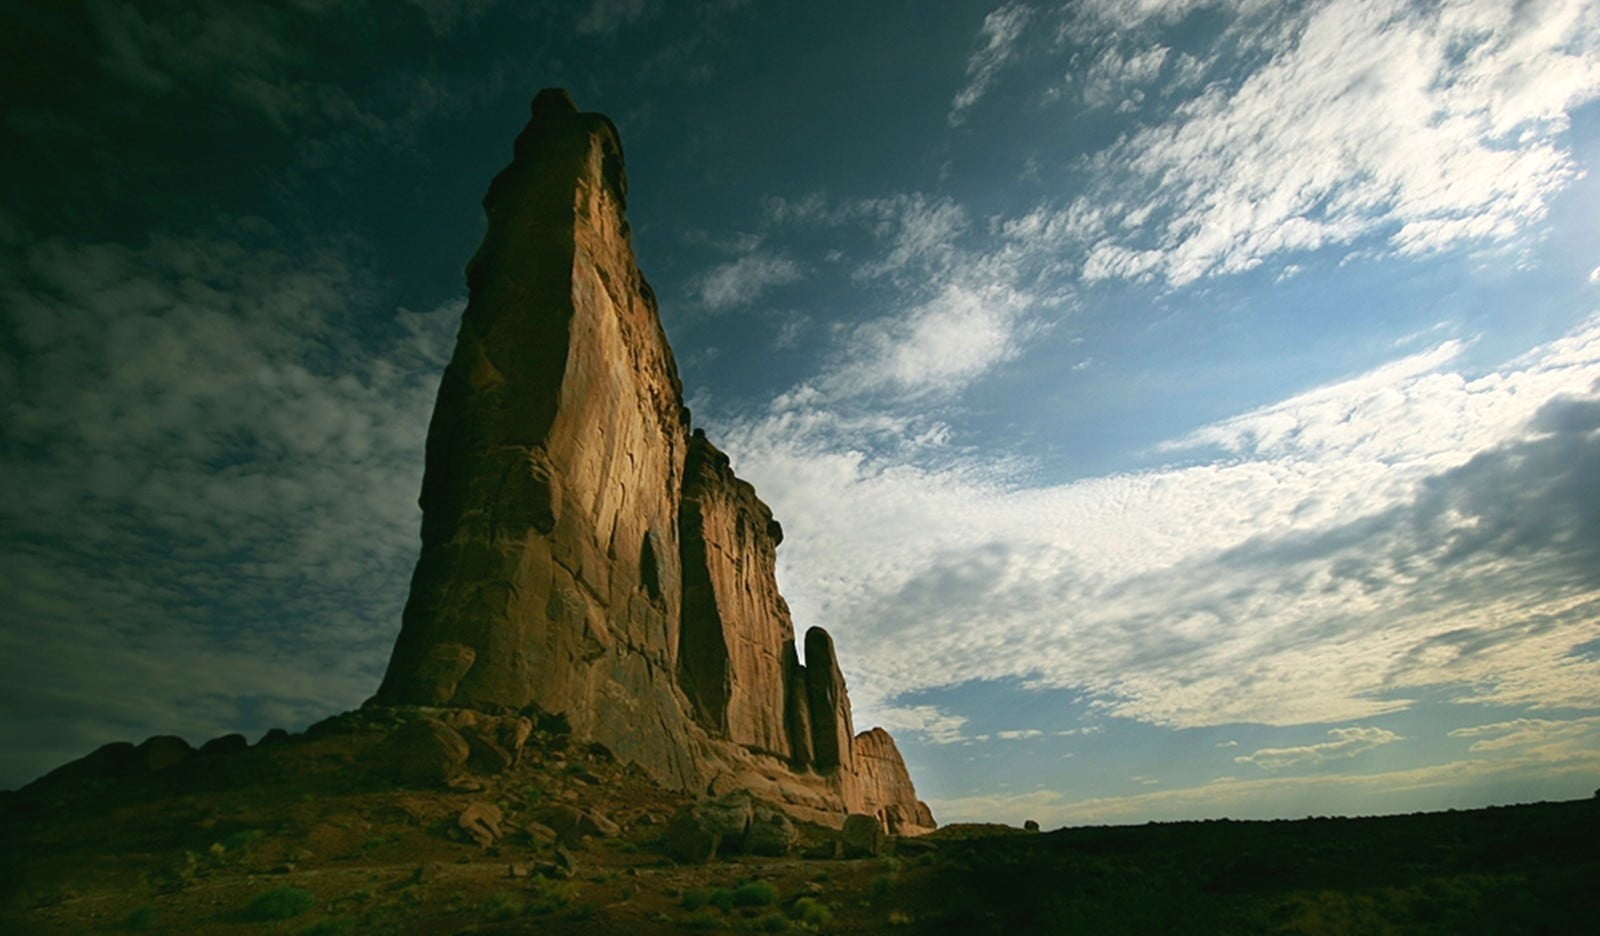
{"x":584,"y":553}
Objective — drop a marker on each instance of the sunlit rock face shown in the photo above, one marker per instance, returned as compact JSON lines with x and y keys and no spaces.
{"x":583,"y":552}
{"x":736,"y":627}
{"x":884,"y":785}
{"x":549,"y":571}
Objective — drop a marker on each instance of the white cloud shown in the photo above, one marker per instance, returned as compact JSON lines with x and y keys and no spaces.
{"x":743,"y":281}
{"x":930,"y":723}
{"x":1430,"y":127}
{"x":956,"y":312}
{"x":923,"y":233}
{"x":1473,"y":782}
{"x":937,"y":347}
{"x":1131,"y":13}
{"x":997,"y":44}
{"x":604,"y":16}
{"x":1406,"y":528}
{"x":1347,"y":742}
{"x":1594,"y":275}
{"x":1113,"y":78}
{"x":1528,"y":732}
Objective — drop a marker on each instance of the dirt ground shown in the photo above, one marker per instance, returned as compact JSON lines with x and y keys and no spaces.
{"x":301,"y":839}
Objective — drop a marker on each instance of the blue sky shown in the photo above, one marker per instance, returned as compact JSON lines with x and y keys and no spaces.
{"x":1175,"y":408}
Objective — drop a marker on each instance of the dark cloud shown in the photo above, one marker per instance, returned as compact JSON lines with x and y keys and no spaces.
{"x":208,"y":482}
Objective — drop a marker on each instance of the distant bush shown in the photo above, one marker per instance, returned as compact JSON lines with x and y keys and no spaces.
{"x":695,"y":899}
{"x":755,"y":894}
{"x":140,"y":920}
{"x":811,"y":912}
{"x":701,"y":920}
{"x":241,"y":838}
{"x":502,"y":906}
{"x":280,"y":904}
{"x":550,"y":896}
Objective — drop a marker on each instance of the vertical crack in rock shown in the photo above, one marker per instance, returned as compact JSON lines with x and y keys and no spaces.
{"x":583,"y":553}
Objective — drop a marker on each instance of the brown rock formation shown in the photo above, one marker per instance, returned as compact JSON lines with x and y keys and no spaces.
{"x":884,"y":785}
{"x":735,"y":624}
{"x":582,"y":553}
{"x":549,"y":566}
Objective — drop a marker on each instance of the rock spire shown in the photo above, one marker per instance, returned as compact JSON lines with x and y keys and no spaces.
{"x":583,"y":552}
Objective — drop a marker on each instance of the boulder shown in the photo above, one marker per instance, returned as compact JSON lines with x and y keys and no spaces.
{"x":481,"y":822}
{"x":161,"y":752}
{"x":273,"y":736}
{"x":688,"y":840}
{"x":862,"y":836}
{"x":729,"y":816}
{"x":107,"y":762}
{"x":572,"y":823}
{"x":771,"y":833}
{"x":424,"y":752}
{"x":226,"y":744}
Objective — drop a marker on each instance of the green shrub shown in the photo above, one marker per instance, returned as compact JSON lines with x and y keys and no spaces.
{"x":771,"y":923}
{"x":241,"y":838}
{"x":140,"y":919}
{"x":587,"y":910}
{"x":550,"y":896}
{"x":695,"y":899}
{"x":811,"y":912}
{"x":280,"y":904}
{"x":722,"y":899}
{"x":502,"y":906}
{"x":755,"y":894}
{"x":701,"y":920}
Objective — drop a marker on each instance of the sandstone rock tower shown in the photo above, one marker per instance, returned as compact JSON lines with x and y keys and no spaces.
{"x":584,"y":552}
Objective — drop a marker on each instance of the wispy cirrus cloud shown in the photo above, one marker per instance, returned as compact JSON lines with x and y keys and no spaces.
{"x":1347,"y":742}
{"x":1413,"y":527}
{"x":1558,"y":772}
{"x":1419,"y":129}
{"x":741,"y":282}
{"x":1529,"y":732}
{"x":997,"y":40}
{"x":956,"y":308}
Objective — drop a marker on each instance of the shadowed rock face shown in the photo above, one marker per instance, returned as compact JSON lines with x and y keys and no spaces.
{"x":831,"y":730}
{"x":582,"y":551}
{"x":735,"y":624}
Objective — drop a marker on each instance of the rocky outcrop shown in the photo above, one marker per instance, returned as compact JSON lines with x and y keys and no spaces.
{"x":583,"y":553}
{"x":736,"y":626}
{"x":884,"y":785}
{"x":831,"y":731}
{"x":549,"y":566}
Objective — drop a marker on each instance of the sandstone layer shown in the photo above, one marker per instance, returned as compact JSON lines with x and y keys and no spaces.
{"x":583,"y":552}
